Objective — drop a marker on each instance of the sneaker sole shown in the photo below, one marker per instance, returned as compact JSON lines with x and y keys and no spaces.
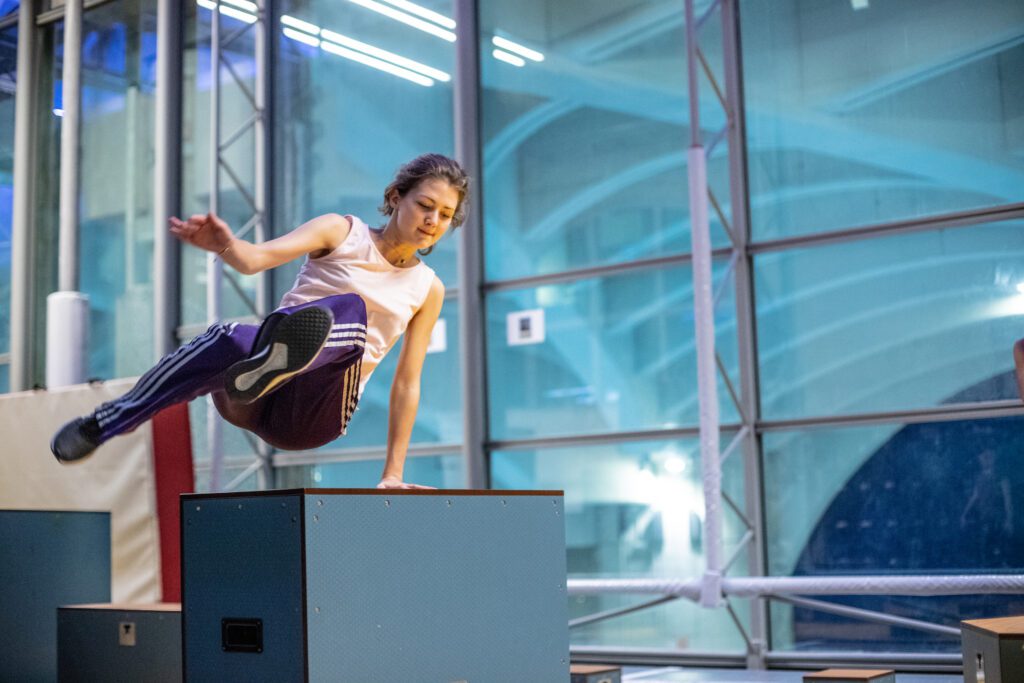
{"x":292,"y":347}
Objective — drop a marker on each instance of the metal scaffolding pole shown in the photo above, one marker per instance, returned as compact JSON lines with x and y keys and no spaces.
{"x":257,"y":198}
{"x":23,"y":214}
{"x":750,"y":406}
{"x":704,"y":319}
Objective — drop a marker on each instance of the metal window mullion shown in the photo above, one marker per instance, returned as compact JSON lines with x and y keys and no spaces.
{"x":958,"y":219}
{"x":71,"y":103}
{"x":167,"y":176}
{"x":746,"y":326}
{"x":23,"y":209}
{"x":214,"y":266}
{"x":466,"y":110}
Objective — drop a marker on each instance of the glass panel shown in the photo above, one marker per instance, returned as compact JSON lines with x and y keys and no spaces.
{"x":8,"y":72}
{"x":633,"y":510}
{"x":116,"y":193}
{"x":9,"y":7}
{"x":584,"y":153}
{"x":235,"y":110}
{"x":443,"y":471}
{"x":902,"y":322}
{"x":850,"y":118}
{"x":937,"y":498}
{"x":345,"y":120}
{"x":608,"y":354}
{"x":249,"y":483}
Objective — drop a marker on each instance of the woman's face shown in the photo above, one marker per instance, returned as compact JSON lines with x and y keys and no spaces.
{"x":424,"y":214}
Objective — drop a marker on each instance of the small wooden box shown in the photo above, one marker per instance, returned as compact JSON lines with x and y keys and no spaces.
{"x":993,"y":650}
{"x":594,"y":673}
{"x":110,"y":642}
{"x":851,"y":676}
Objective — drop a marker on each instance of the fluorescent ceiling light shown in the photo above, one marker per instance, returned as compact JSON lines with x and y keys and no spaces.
{"x":243,"y":4}
{"x":518,"y":49}
{"x":413,"y":8}
{"x":302,"y":37}
{"x":58,"y":112}
{"x":859,"y":4}
{"x":408,"y":19}
{"x":299,"y":24}
{"x":374,"y":51}
{"x":228,"y":11}
{"x":509,"y":58}
{"x":376,"y":63}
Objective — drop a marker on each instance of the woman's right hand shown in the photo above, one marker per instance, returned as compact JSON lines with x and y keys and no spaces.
{"x":207,"y":232}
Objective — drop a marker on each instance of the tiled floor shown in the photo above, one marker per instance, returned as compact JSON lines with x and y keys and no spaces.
{"x":678,"y":675}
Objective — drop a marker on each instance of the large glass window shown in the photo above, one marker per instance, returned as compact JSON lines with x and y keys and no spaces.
{"x":584,"y":129}
{"x":358,"y":93}
{"x":337,"y":148}
{"x":235,"y":110}
{"x":633,"y":510}
{"x":601,"y":355}
{"x":440,"y":471}
{"x":8,"y":71}
{"x":116,"y":191}
{"x":933,"y":498}
{"x":863,"y":113}
{"x":901,"y":322}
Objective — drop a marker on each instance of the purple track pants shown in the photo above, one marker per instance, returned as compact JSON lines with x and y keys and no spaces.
{"x":309,"y":410}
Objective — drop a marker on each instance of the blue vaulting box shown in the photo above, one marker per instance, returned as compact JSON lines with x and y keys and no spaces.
{"x":373,"y":585}
{"x":50,"y":558}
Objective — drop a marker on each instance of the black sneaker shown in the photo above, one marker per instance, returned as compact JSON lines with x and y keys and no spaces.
{"x":76,"y":440}
{"x":285,"y":346}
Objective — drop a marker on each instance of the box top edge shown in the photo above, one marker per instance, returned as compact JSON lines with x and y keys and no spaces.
{"x":375,"y":492}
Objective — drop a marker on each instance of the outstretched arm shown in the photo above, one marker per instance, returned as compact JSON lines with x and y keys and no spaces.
{"x":405,"y":389}
{"x":317,"y":236}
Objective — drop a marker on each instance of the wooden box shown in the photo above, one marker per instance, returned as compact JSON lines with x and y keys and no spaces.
{"x":851,"y":676}
{"x":110,"y":642}
{"x":993,"y":650}
{"x":594,"y":673}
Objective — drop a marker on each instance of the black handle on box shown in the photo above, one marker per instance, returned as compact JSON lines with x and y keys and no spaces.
{"x":241,"y":635}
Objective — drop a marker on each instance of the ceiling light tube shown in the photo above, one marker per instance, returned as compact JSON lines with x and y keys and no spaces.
{"x":509,"y":58}
{"x":300,"y":24}
{"x":228,"y":11}
{"x":408,"y":19}
{"x":376,"y":63}
{"x":301,"y":37}
{"x":374,"y":51}
{"x":518,"y":49}
{"x":244,"y":4}
{"x":413,"y":8}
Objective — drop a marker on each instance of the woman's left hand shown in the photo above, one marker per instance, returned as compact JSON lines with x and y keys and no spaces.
{"x":396,"y":483}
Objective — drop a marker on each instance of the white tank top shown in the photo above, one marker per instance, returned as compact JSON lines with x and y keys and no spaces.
{"x":392,"y":294}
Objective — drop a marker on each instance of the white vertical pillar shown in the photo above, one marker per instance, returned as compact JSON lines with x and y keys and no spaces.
{"x":704,"y":319}
{"x":67,"y":310}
